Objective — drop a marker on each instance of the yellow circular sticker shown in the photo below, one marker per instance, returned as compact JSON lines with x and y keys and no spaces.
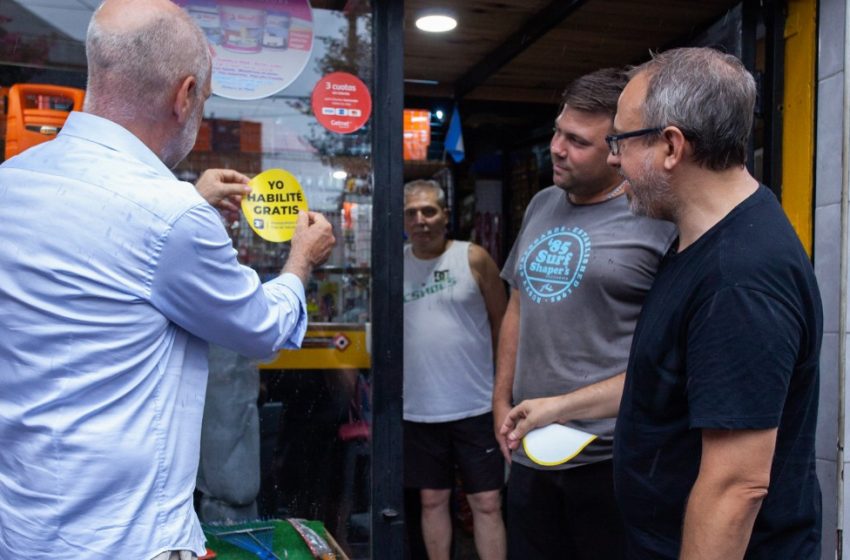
{"x":273,"y":204}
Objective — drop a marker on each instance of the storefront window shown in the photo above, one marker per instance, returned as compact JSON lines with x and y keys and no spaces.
{"x":312,"y":421}
{"x":315,"y":403}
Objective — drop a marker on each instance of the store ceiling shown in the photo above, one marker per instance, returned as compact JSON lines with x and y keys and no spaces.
{"x":502,"y":50}
{"x":528,"y":50}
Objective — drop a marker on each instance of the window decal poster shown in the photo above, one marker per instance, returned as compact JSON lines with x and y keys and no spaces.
{"x":341,"y":102}
{"x":258,"y":47}
{"x":272,"y":206}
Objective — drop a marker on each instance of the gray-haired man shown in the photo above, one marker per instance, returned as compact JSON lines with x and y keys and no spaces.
{"x":453,"y":306}
{"x":714,"y":447}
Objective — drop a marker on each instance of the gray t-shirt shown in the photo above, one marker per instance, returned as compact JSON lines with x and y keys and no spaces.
{"x":582,"y":272}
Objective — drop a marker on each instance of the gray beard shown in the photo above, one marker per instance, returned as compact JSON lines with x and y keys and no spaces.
{"x":651,"y":194}
{"x":179,"y":147}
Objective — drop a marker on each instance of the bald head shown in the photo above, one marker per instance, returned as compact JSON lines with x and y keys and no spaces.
{"x":127,"y":16}
{"x":138,"y":53}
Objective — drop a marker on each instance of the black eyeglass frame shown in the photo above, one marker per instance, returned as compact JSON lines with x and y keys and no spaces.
{"x":613,"y":140}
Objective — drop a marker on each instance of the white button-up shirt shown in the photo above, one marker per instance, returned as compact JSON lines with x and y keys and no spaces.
{"x":113,"y":275}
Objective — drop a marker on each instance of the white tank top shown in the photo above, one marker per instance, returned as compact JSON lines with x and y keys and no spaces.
{"x":448,"y":350}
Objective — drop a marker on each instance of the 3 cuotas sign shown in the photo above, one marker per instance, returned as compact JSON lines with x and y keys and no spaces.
{"x":341,"y":102}
{"x":272,"y":206}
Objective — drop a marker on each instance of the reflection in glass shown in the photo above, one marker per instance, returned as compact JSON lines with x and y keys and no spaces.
{"x":292,"y":440}
{"x":314,"y":410}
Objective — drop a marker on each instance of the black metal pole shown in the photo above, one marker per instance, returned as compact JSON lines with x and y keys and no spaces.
{"x":774,"y":81}
{"x":388,"y":271}
{"x":749,"y":30}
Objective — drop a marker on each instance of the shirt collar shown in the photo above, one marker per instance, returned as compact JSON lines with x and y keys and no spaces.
{"x":113,"y":136}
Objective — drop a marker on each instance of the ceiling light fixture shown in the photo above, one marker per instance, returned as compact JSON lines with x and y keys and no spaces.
{"x":436,"y":23}
{"x":339,"y":174}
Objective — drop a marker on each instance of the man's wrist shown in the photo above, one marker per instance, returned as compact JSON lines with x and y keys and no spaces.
{"x":562,"y":410}
{"x":501,"y":404}
{"x":299,"y":266}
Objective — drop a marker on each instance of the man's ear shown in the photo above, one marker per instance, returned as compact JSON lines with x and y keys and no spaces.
{"x":675,"y":145}
{"x":184,"y":98}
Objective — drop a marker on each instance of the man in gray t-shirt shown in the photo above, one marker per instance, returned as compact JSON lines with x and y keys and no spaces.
{"x":578,"y":272}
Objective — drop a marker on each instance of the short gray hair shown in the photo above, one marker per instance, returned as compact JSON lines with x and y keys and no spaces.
{"x":132,"y":72}
{"x":708,"y":95}
{"x":426,"y":185}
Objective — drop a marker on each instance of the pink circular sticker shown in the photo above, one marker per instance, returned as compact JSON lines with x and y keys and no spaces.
{"x":341,"y":102}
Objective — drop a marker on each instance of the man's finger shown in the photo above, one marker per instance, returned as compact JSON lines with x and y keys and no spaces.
{"x":232,"y":176}
{"x":520,"y":430}
{"x":228,"y":206}
{"x":506,"y":451}
{"x":506,"y":427}
{"x":302,"y":221}
{"x":511,"y":419}
{"x":318,"y":218}
{"x":232,"y":189}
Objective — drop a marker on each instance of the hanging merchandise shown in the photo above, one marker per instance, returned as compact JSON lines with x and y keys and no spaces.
{"x":259,"y":47}
{"x":357,"y":234}
{"x":341,"y":102}
{"x":272,"y":206}
{"x":417,"y":134}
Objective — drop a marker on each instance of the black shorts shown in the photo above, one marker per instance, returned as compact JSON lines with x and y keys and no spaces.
{"x":431,"y":452}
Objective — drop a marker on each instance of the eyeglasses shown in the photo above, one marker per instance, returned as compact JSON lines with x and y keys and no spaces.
{"x":613,"y":140}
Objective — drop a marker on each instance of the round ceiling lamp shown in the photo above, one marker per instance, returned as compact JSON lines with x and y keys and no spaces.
{"x":436,"y":23}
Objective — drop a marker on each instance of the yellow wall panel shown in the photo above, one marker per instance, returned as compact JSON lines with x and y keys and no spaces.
{"x":798,"y":146}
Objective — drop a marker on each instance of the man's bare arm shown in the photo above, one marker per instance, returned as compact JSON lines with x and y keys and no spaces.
{"x":600,"y":400}
{"x":734,"y":475}
{"x":505,"y":367}
{"x":486,"y":274}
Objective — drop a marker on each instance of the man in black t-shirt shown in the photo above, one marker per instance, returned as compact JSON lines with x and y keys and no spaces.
{"x":714,"y":443}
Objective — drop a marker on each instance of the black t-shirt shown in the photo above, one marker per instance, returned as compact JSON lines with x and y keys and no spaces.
{"x":729,"y":338}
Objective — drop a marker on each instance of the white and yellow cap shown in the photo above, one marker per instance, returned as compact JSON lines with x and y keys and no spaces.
{"x":555,"y":444}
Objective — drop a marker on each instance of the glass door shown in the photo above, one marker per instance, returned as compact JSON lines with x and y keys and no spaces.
{"x":314,"y":405}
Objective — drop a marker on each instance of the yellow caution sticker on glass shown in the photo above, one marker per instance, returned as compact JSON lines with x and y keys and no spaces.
{"x":272,"y":206}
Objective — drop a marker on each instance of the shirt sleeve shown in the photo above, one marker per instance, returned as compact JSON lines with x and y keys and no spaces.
{"x":742,"y":349}
{"x":509,"y":272}
{"x":199,"y":285}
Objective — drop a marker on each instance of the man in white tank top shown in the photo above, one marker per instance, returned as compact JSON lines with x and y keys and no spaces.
{"x":453,"y":307}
